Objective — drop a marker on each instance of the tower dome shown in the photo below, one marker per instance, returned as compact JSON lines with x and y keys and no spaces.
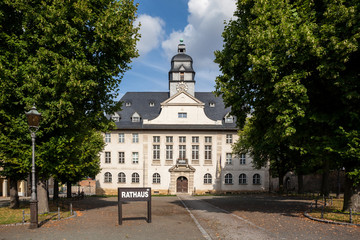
{"x":181,"y":71}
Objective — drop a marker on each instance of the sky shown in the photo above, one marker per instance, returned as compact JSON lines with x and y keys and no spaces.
{"x":199,"y":23}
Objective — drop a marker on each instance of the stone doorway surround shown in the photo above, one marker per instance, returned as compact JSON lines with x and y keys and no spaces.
{"x":181,"y":170}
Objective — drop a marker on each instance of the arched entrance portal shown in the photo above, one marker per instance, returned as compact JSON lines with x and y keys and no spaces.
{"x":182,"y":185}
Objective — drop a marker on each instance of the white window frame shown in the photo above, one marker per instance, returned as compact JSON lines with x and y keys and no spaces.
{"x":229,"y":138}
{"x":107,"y":177}
{"x":207,"y":178}
{"x":242,"y":159}
{"x":121,"y":157}
{"x":229,"y":178}
{"x":208,"y":152}
{"x":156,"y":152}
{"x":182,"y":151}
{"x":195,"y":139}
{"x":121,"y":137}
{"x":182,"y":139}
{"x":169,"y":152}
{"x":195,"y":152}
{"x":228,"y":159}
{"x":156,"y":178}
{"x":135,"y":178}
{"x":169,"y":139}
{"x":108,"y":137}
{"x":107,"y":157}
{"x":208,"y":139}
{"x":135,"y":157}
{"x":135,"y":137}
{"x":156,"y":139}
{"x":121,"y":177}
{"x":256,"y":179}
{"x":242,"y":178}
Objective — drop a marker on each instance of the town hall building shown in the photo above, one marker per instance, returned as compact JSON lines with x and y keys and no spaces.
{"x":179,"y":141}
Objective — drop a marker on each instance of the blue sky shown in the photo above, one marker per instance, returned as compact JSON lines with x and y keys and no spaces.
{"x":163,"y":23}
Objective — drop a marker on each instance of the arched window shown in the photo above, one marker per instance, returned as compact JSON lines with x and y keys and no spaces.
{"x":135,"y":178}
{"x":242,"y":178}
{"x":121,"y":177}
{"x":107,"y":177}
{"x":228,"y":118}
{"x":156,"y":178}
{"x":228,"y":178}
{"x":256,"y":179}
{"x":207,"y":178}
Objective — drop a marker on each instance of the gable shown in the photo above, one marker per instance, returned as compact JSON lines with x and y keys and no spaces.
{"x":182,"y":98}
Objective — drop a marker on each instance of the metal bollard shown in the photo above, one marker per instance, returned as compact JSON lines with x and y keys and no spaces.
{"x":322,"y":212}
{"x":350,"y":215}
{"x":71,"y":210}
{"x":315,"y":203}
{"x":325,"y":201}
{"x":23,"y":220}
{"x":311,"y":207}
{"x":58,"y":213}
{"x":331,"y":201}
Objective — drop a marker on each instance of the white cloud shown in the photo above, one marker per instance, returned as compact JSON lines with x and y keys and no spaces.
{"x":202,"y":35}
{"x":152,"y":32}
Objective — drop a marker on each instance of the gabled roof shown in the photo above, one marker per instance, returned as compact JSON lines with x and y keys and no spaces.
{"x":140,"y":103}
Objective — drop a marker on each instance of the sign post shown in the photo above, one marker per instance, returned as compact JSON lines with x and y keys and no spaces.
{"x":134,"y":194}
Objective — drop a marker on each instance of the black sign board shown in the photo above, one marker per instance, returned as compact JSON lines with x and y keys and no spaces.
{"x":134,"y":194}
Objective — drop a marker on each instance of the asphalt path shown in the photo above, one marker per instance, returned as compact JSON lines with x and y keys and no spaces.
{"x":188,"y":217}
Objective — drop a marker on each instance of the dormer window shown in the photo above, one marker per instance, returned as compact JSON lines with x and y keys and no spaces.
{"x":128,"y":104}
{"x":182,"y":115}
{"x":229,"y":118}
{"x":151,"y":104}
{"x":135,"y":117}
{"x":115,"y":117}
{"x":212,"y":104}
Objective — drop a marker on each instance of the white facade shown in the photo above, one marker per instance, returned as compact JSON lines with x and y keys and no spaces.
{"x":176,"y":143}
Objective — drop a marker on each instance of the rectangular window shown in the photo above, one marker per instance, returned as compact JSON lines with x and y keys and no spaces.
{"x":195,"y":139}
{"x":107,"y":157}
{"x":121,"y":137}
{"x":169,"y":139}
{"x":228,"y":138}
{"x":135,"y":137}
{"x":107,"y":137}
{"x":182,"y":115}
{"x":135,"y":157}
{"x":242,"y":159}
{"x":182,"y":139}
{"x":207,"y":152}
{"x":182,"y":151}
{"x":169,"y":152}
{"x":121,"y":157}
{"x":228,"y":159}
{"x":156,"y":139}
{"x":208,"y":139}
{"x":156,"y":152}
{"x":195,"y":152}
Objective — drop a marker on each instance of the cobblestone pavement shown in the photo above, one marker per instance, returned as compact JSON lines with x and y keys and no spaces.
{"x":188,"y":217}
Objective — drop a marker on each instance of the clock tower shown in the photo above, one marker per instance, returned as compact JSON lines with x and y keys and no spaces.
{"x":181,"y":74}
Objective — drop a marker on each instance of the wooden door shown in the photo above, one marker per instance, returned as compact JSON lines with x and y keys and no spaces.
{"x":182,"y":185}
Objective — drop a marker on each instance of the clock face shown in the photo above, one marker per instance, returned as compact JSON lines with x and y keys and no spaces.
{"x":180,"y":87}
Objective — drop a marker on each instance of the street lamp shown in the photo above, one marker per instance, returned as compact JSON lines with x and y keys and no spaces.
{"x":33,"y":117}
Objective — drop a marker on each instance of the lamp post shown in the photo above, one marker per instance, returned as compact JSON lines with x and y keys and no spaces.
{"x":33,"y":117}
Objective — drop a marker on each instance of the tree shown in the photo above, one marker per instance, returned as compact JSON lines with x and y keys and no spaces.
{"x":294,"y":62}
{"x":68,"y":57}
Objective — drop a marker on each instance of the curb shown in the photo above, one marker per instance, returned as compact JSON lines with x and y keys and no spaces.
{"x":329,"y":221}
{"x":27,"y":223}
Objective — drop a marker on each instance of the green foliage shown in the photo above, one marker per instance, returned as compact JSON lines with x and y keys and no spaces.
{"x":68,"y":57}
{"x":292,"y":66}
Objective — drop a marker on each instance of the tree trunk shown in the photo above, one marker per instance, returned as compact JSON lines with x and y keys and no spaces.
{"x":281,"y":181}
{"x":43,"y":204}
{"x":56,"y":189}
{"x":68,"y":189}
{"x":325,"y":187}
{"x":351,"y":195}
{"x":300,"y":183}
{"x":14,"y":196}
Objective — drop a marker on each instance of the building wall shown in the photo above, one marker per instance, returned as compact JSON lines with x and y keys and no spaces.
{"x":147,"y":165}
